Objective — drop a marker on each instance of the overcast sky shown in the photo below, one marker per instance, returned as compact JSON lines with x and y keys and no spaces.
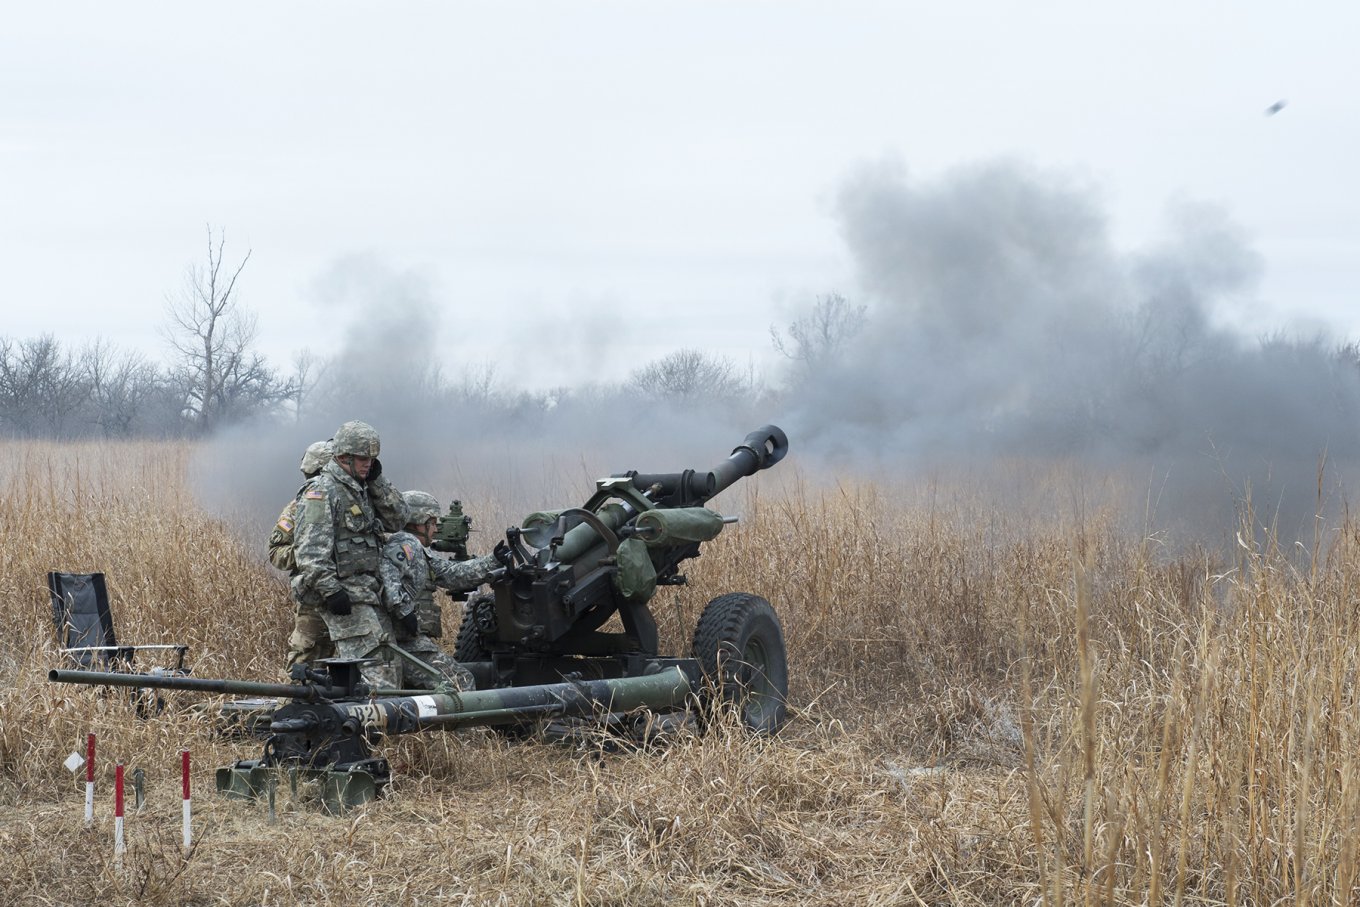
{"x":661,"y":173}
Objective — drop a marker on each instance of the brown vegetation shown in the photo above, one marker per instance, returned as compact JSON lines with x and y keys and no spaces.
{"x":988,"y":709}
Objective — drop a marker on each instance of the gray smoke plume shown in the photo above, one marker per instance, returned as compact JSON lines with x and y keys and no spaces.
{"x":1004,"y":324}
{"x":462,"y":431}
{"x":1006,"y":335}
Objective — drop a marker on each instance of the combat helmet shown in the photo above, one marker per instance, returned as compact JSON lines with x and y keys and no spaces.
{"x":317,"y":456}
{"x":423,"y":506}
{"x":355,"y":439}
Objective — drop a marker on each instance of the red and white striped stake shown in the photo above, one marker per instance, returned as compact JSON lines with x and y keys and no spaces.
{"x":118,"y":846}
{"x":89,"y":779}
{"x":188,"y":810}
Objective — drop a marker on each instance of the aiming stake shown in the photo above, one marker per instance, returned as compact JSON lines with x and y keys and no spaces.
{"x":118,"y":846}
{"x":89,"y":779}
{"x":188,"y":810}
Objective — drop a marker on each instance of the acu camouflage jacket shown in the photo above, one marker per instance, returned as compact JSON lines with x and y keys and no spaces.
{"x":338,"y":536}
{"x":410,"y":574}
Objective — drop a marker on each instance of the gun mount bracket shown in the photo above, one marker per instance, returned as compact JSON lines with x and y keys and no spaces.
{"x":561,"y":527}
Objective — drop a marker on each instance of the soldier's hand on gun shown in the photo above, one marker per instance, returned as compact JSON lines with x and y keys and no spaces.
{"x":338,"y":603}
{"x":409,"y":624}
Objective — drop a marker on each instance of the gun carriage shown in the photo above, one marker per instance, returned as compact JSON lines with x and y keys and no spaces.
{"x":567,"y":572}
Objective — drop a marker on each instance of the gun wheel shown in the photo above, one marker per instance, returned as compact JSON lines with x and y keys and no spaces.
{"x":740,"y":647}
{"x":477,"y":616}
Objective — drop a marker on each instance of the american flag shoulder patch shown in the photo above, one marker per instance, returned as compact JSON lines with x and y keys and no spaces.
{"x":406,"y":550}
{"x":314,"y":494}
{"x":286,"y":524}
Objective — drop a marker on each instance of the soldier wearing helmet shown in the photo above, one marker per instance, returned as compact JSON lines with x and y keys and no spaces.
{"x":338,"y":540}
{"x":317,"y":455}
{"x":309,"y":640}
{"x":410,"y":574}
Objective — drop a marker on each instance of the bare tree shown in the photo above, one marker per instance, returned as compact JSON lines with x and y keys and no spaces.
{"x":817,"y":339}
{"x":218,"y":375}
{"x":121,"y":385}
{"x":477,"y":384}
{"x":41,"y":388}
{"x":13,"y":391}
{"x":687,"y":376}
{"x":308,"y":370}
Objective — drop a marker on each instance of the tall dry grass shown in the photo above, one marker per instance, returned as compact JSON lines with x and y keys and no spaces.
{"x":989,"y":708}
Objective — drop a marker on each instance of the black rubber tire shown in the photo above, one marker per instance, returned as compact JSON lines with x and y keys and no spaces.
{"x":740,"y":647}
{"x":468,"y":645}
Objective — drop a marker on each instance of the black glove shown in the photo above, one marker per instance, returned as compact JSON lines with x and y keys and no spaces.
{"x":373,"y":471}
{"x":338,"y":603}
{"x":409,"y":624}
{"x":503,"y":555}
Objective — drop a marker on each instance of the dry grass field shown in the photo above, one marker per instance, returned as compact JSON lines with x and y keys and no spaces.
{"x":988,"y":709}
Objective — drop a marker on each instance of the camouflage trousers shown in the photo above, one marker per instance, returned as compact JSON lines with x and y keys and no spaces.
{"x":424,"y":648}
{"x":363,"y":633}
{"x":310,"y":640}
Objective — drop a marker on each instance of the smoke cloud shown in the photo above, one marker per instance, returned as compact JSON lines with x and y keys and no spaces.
{"x":1006,"y":336}
{"x":1004,"y":324}
{"x":469,"y":430}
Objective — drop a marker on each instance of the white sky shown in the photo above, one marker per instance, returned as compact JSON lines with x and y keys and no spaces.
{"x":665,"y":170}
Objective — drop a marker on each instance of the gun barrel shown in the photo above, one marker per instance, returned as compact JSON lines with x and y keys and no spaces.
{"x":197,"y":684}
{"x":661,"y":690}
{"x":761,"y":449}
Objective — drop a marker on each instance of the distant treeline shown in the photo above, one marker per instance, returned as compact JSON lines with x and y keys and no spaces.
{"x":49,"y":390}
{"x":214,"y":378}
{"x":55,"y":391}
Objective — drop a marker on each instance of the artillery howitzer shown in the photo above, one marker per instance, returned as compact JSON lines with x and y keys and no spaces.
{"x":536,"y":645}
{"x":568,"y":572}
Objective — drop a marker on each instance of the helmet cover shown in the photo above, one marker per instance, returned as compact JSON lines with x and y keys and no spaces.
{"x":355,"y":439}
{"x":423,"y":505}
{"x":317,"y":456}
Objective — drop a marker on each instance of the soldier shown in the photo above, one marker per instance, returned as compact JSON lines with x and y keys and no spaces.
{"x":317,"y":455}
{"x":309,"y":640}
{"x":409,"y":576}
{"x":338,"y":544}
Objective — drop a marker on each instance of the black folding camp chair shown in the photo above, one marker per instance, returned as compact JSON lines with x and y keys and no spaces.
{"x":80,"y":610}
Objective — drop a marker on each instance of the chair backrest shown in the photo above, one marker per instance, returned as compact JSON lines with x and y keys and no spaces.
{"x":80,"y":610}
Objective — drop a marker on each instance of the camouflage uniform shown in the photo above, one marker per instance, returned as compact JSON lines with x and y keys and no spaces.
{"x":338,"y":544}
{"x":409,"y":576}
{"x":316,"y":456}
{"x":309,"y":640}
{"x":281,"y":539}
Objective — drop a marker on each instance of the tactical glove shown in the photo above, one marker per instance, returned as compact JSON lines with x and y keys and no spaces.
{"x":409,"y":624}
{"x":338,"y":603}
{"x":373,"y":471}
